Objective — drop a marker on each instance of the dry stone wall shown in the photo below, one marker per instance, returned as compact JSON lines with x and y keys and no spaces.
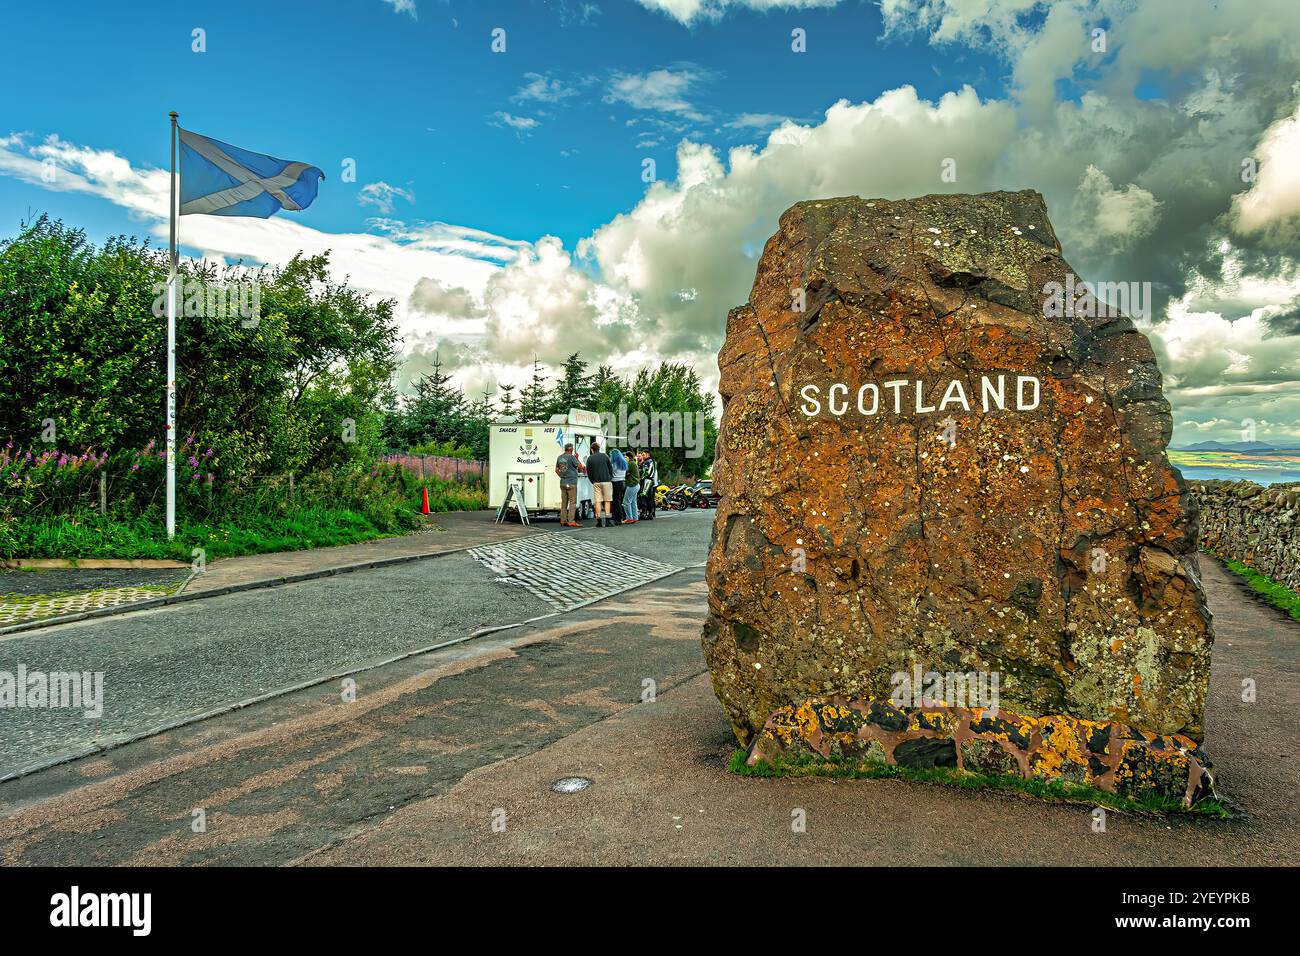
{"x":1256,"y":525}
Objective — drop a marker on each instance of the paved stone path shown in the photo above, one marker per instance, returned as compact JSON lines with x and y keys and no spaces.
{"x":19,"y":610}
{"x":661,"y":794}
{"x":32,"y":595}
{"x":302,"y":771}
{"x":567,"y":572}
{"x":175,"y":663}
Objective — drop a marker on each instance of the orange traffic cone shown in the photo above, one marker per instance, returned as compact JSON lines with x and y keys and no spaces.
{"x":424,"y":506}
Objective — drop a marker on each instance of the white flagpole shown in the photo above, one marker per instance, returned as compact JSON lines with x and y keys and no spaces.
{"x":174,"y":261}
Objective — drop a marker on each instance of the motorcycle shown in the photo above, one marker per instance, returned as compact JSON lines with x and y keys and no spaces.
{"x":677,"y":498}
{"x":705,"y":496}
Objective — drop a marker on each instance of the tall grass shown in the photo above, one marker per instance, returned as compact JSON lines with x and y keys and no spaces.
{"x":49,"y":509}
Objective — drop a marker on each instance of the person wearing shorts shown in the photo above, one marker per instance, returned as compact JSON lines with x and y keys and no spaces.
{"x":600,"y":472}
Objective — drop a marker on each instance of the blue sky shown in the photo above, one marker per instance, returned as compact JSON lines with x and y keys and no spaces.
{"x":499,"y":198}
{"x":415,"y":99}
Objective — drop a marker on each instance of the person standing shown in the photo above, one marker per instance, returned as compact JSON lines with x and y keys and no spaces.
{"x":632,"y":491}
{"x":567,"y":467}
{"x":600,"y":472}
{"x":620,"y":488}
{"x":649,"y":483}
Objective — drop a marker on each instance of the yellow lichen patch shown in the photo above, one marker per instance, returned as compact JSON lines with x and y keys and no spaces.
{"x":1024,"y":726}
{"x":1055,"y":747}
{"x":1061,"y":745}
{"x":1089,"y":727}
{"x":941,"y":721}
{"x":830,"y":713}
{"x":783,"y":724}
{"x":1138,"y":771}
{"x":808,"y":723}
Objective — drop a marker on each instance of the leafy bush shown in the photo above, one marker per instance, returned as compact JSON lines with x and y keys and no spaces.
{"x":444,"y":449}
{"x":83,"y":350}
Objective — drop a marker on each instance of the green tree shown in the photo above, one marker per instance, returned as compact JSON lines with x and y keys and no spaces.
{"x":507,"y":405}
{"x":574,"y":388}
{"x":434,"y":413}
{"x":607,"y":389}
{"x":670,"y":390}
{"x":479,"y":415}
{"x":298,"y":386}
{"x":535,"y":399}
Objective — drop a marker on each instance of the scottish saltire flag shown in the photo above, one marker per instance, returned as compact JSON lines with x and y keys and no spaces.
{"x":218,"y":179}
{"x":559,"y":438}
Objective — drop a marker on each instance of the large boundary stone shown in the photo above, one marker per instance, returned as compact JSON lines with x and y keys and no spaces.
{"x":928,"y":460}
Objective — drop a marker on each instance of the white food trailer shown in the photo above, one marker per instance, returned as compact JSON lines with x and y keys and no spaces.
{"x":524,"y":453}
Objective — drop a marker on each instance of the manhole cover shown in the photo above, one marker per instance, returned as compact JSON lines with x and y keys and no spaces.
{"x":570,"y":784}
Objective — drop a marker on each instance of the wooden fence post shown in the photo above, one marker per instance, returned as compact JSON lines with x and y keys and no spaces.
{"x":103,"y":492}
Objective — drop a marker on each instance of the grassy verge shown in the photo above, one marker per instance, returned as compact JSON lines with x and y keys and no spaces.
{"x":1055,"y":790}
{"x":1278,"y":595}
{"x":93,"y":536}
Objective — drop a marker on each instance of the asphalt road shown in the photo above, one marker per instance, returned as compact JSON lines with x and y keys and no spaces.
{"x":449,"y":757}
{"x":164,"y":665}
{"x":280,"y":780}
{"x":660,"y":793}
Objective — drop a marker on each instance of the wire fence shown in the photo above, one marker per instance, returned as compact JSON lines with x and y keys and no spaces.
{"x":434,"y":466}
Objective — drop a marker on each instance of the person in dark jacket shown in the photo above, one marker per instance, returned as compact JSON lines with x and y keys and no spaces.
{"x":649,"y":482}
{"x":620,"y":484}
{"x":600,"y":472}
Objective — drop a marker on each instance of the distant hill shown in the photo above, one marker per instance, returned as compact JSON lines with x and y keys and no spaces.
{"x":1238,"y":446}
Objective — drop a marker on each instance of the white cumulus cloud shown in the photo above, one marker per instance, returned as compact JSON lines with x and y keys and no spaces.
{"x":381,"y":195}
{"x":689,"y":11}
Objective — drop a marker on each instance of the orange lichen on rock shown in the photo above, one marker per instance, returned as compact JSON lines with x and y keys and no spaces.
{"x":1109,"y":756}
{"x":925,"y":465}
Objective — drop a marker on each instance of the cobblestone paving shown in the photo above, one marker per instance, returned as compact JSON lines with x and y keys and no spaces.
{"x":566,"y":571}
{"x":48,"y":581}
{"x":21,"y":608}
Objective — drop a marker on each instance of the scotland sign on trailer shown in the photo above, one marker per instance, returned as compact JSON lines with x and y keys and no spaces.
{"x":524,"y":453}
